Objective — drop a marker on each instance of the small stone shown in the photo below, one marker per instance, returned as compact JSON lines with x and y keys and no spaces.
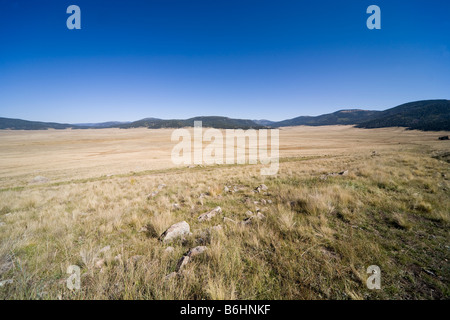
{"x":39,"y":179}
{"x":226,"y":189}
{"x":196,"y":251}
{"x":100,"y":263}
{"x":135,"y":258}
{"x":171,"y":275}
{"x":104,"y":249}
{"x":225,"y":219}
{"x":5,"y":282}
{"x":143,"y":229}
{"x":208,"y":215}
{"x":152,"y":195}
{"x":217,"y":228}
{"x":182,"y":263}
{"x":177,"y":230}
{"x":169,"y":250}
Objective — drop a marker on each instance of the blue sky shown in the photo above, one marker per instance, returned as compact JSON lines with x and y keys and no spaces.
{"x":251,"y":59}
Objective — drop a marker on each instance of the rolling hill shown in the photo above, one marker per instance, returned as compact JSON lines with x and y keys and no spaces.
{"x":343,"y":117}
{"x":427,"y":115}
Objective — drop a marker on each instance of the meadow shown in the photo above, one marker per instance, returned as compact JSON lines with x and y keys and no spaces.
{"x":100,"y":199}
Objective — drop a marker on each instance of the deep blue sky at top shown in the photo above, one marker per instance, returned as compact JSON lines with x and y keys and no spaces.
{"x":252,"y":59}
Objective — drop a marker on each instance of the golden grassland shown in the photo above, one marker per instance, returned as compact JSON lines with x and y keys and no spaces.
{"x":316,"y":241}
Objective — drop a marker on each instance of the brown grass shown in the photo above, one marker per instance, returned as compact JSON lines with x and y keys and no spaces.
{"x":316,"y":242}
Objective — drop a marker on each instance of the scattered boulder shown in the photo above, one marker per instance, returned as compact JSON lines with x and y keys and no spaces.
{"x":171,"y":275}
{"x":39,"y":179}
{"x":208,"y":215}
{"x":196,"y":251}
{"x":250,"y":220}
{"x":182,"y":263}
{"x":184,"y":260}
{"x":5,"y":282}
{"x":100,"y":263}
{"x":104,"y":249}
{"x":6,"y":264}
{"x":225,"y":219}
{"x":334,"y":174}
{"x":152,"y":195}
{"x":169,"y":250}
{"x":135,"y":258}
{"x":261,"y":187}
{"x":177,"y":230}
{"x":444,"y":138}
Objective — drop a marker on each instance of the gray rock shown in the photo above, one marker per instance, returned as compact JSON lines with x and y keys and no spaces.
{"x":196,"y":251}
{"x":208,"y":215}
{"x":225,"y":219}
{"x":182,"y":263}
{"x":169,"y":250}
{"x":39,"y":179}
{"x":177,"y":230}
{"x":5,"y":282}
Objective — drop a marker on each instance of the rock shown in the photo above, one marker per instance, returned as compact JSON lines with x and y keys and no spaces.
{"x":169,"y":250}
{"x":143,"y":229}
{"x":135,"y":258}
{"x":196,"y":251}
{"x":6,"y":264}
{"x":269,"y":201}
{"x":100,"y":263}
{"x":161,"y":186}
{"x":261,"y":187}
{"x":182,"y":263}
{"x":444,"y":138}
{"x":176,"y":206}
{"x":208,"y":215}
{"x":263,"y":202}
{"x":226,"y":189}
{"x":171,"y":275}
{"x":177,"y":230}
{"x":5,"y":282}
{"x":260,"y":216}
{"x":217,"y":228}
{"x":104,"y":249}
{"x":152,"y":195}
{"x":39,"y":179}
{"x":343,"y":173}
{"x":225,"y":219}
{"x":249,"y":213}
{"x":250,"y":220}
{"x":118,"y":258}
{"x":184,"y":260}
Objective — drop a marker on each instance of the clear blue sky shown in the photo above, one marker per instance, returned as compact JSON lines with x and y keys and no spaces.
{"x":252,"y":59}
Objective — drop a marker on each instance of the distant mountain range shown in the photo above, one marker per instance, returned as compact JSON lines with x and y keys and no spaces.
{"x":427,"y":115}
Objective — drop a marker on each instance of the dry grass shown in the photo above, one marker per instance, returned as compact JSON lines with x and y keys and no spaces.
{"x":316,"y":242}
